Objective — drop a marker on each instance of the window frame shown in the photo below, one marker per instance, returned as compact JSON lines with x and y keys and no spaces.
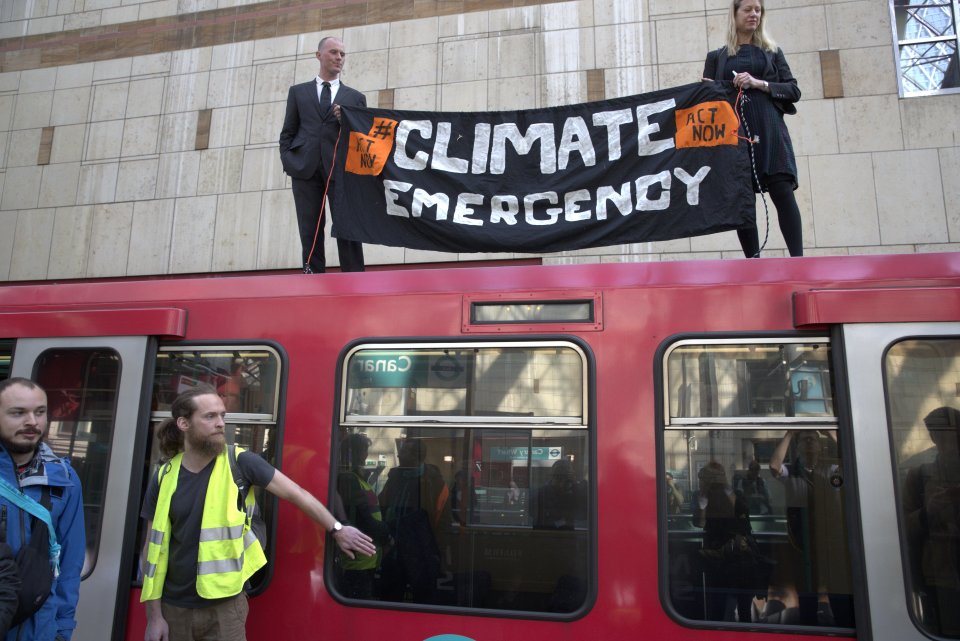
{"x":736,"y":422}
{"x":569,"y":422}
{"x":87,"y":571}
{"x":587,"y":423}
{"x":898,"y":44}
{"x":664,"y":425}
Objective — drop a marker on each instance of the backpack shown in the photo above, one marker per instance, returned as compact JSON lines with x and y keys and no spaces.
{"x":34,"y":568}
{"x":257,"y":524}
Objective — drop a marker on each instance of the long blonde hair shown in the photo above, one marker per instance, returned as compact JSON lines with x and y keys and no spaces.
{"x":761,"y":38}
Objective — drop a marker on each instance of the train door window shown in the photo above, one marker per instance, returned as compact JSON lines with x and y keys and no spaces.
{"x":82,"y":387}
{"x":247,"y":378}
{"x":6,"y":355}
{"x":922,"y":382}
{"x":751,"y":489}
{"x":469,"y":465}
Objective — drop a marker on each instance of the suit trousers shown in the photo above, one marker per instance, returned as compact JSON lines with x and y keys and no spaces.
{"x":308,"y":198}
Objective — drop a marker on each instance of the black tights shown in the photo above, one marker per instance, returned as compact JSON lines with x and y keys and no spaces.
{"x":781,"y":193}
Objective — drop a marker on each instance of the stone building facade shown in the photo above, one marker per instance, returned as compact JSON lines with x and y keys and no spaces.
{"x":140,"y":137}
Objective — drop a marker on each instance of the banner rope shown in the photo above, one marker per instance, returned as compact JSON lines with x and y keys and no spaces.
{"x":323,"y":203}
{"x":752,"y":140}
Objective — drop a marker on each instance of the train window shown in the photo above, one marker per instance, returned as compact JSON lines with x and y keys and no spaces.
{"x":922,"y":379}
{"x":82,"y":387}
{"x":248,"y":380}
{"x":754,"y":512}
{"x":487,"y":514}
{"x":6,"y":354}
{"x":731,"y":381}
{"x":495,"y":383}
{"x":576,"y":311}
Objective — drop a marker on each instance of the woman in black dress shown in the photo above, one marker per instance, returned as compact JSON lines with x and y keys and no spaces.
{"x":755,"y":64}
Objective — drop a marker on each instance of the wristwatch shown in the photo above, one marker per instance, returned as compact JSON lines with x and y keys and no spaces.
{"x":337,"y":526}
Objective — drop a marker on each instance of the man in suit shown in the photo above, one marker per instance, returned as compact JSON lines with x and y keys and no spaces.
{"x":307,"y":140}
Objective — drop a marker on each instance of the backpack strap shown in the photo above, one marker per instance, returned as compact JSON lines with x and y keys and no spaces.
{"x":241,"y":483}
{"x":161,"y":469}
{"x":40,"y":513}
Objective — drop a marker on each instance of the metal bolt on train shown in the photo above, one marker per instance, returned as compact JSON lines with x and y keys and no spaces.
{"x":671,"y":451}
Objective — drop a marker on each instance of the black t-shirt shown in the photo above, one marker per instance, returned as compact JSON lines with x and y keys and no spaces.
{"x":186,"y":515}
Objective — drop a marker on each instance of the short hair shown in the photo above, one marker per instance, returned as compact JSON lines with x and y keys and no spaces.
{"x":168,"y":434}
{"x":352,"y":445}
{"x":324,"y":39}
{"x":19,"y":380}
{"x":943,"y":418}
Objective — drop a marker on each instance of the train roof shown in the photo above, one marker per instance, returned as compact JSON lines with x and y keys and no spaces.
{"x":934,"y":269}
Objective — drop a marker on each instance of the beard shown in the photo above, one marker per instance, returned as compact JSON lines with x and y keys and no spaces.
{"x":207,"y":445}
{"x":15,"y":447}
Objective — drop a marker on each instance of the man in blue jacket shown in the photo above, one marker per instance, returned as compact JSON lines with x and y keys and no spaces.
{"x":29,"y":463}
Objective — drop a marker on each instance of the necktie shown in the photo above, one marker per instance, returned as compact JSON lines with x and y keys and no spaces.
{"x":325,"y":99}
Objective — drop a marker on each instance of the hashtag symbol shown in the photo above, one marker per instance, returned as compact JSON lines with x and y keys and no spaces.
{"x":382,"y":130}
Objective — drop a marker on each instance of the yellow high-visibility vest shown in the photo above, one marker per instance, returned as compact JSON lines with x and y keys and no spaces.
{"x":229,"y":552}
{"x":360,"y":561}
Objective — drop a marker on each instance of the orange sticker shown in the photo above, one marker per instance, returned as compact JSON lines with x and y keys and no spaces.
{"x":707,"y":124}
{"x":368,"y":152}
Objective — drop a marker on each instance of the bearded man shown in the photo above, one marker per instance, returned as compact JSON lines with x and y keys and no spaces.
{"x":28,"y":465}
{"x":188,"y":596}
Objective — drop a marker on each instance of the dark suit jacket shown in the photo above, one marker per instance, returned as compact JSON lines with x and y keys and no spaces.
{"x":783,"y":86}
{"x":308,"y":137}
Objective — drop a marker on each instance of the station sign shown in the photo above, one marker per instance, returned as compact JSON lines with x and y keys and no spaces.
{"x":406,"y":369}
{"x":540,"y":454}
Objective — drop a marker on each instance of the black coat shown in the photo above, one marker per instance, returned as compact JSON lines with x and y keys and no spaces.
{"x":9,"y":588}
{"x":783,"y":86}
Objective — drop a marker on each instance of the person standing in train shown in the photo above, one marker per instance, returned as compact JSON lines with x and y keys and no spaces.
{"x":193,"y":516}
{"x":360,"y":506}
{"x":674,"y":495}
{"x":931,"y":509}
{"x":38,"y":476}
{"x":807,"y":586}
{"x":415,"y":505}
{"x":729,"y":554}
{"x":310,"y":130}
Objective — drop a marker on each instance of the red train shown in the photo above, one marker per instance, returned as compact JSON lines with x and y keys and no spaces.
{"x":690,"y":450}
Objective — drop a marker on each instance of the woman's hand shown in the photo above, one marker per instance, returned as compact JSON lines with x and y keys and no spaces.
{"x":744,"y":80}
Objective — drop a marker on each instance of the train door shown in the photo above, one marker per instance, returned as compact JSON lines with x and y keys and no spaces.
{"x":904,"y":392}
{"x":94,"y":394}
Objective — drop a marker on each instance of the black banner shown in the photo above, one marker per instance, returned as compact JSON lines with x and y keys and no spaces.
{"x":655,"y":166}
